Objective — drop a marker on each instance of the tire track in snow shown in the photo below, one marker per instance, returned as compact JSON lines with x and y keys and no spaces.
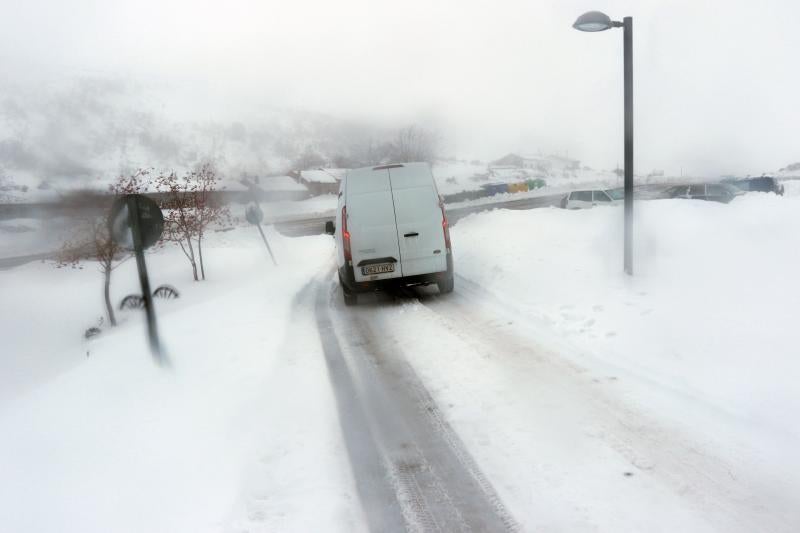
{"x":437,"y":484}
{"x":687,"y":463}
{"x":455,"y":475}
{"x":379,"y":501}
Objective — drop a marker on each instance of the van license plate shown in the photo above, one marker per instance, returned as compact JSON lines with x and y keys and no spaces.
{"x":377,"y":269}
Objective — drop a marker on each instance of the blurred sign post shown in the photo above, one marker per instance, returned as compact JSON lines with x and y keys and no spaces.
{"x":136,"y":222}
{"x":255,"y":215}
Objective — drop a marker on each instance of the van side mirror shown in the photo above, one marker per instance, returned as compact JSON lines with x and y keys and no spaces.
{"x":330,"y":229}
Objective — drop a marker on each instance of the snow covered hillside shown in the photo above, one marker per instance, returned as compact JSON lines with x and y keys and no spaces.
{"x":81,"y":133}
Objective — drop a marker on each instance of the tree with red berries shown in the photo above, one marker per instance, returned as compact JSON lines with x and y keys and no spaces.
{"x":190,"y":207}
{"x":92,"y":240}
{"x":209,"y":210}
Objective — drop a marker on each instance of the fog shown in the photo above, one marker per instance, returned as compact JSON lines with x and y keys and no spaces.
{"x":715,"y":82}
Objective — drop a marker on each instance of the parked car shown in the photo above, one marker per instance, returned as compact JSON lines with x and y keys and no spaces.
{"x":391,"y":229}
{"x":760,"y":184}
{"x":589,"y":198}
{"x":617,"y":194}
{"x":712,"y":192}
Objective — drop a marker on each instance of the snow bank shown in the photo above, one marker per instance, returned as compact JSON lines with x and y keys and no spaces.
{"x":456,"y":176}
{"x":711,"y":310}
{"x":24,"y":236}
{"x":791,"y":187}
{"x":98,"y":438}
{"x":316,"y":206}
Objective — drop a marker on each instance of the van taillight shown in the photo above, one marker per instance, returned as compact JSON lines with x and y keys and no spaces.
{"x":348,"y":255}
{"x":445,"y":227}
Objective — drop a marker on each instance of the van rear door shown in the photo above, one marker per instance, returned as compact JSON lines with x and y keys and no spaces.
{"x":371,"y":224}
{"x":419,"y":219}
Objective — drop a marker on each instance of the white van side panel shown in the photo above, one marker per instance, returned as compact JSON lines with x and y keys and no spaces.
{"x":371,"y":222}
{"x":419,"y":220}
{"x":338,"y":226}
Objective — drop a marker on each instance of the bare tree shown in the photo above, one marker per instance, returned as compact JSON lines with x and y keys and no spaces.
{"x":191,"y":206}
{"x":308,"y":159}
{"x":180,"y":216}
{"x":5,"y":196}
{"x":93,"y":241}
{"x":8,"y":188}
{"x":373,"y":152}
{"x":208,"y":208}
{"x":135,"y":183}
{"x":5,"y":187}
{"x":414,"y":144}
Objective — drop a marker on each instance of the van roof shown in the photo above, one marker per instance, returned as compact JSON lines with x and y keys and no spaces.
{"x":372,"y":179}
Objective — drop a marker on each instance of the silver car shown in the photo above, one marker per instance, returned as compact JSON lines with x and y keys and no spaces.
{"x":589,"y":198}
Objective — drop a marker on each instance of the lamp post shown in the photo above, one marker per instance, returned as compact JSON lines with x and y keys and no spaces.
{"x":596,"y":21}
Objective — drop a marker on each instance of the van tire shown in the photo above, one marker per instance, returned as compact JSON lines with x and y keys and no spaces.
{"x":446,"y":286}
{"x":350,"y":298}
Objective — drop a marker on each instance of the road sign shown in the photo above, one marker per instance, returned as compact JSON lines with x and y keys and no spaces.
{"x":151,"y":221}
{"x":254,"y":214}
{"x":136,"y":222}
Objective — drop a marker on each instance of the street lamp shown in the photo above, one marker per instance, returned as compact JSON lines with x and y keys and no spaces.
{"x":594,"y":21}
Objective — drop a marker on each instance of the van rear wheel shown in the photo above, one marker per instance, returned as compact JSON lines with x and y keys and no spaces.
{"x":350,"y":298}
{"x":446,"y":286}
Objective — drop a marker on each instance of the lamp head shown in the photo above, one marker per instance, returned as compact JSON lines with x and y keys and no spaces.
{"x":592,"y":21}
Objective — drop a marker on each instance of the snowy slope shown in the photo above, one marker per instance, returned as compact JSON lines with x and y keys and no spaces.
{"x":97,"y":438}
{"x":710,"y":309}
{"x":700,"y":347}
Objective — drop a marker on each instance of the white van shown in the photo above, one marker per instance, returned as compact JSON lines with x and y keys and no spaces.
{"x":391,"y":229}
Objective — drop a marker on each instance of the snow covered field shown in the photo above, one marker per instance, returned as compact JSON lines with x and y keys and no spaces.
{"x":97,"y":438}
{"x":702,"y":341}
{"x":23,"y":236}
{"x":711,"y":309}
{"x":588,"y":399}
{"x":317,"y":206}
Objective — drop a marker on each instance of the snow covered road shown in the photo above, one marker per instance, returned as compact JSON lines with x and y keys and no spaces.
{"x":397,"y":436}
{"x":572,"y":447}
{"x":458,"y":417}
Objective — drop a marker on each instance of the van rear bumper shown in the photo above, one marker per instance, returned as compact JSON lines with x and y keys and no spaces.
{"x":347,"y":278}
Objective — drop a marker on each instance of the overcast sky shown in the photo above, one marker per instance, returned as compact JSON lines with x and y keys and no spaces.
{"x":716,"y":82}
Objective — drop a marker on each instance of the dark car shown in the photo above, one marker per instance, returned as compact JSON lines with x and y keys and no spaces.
{"x":760,"y":184}
{"x":712,"y":192}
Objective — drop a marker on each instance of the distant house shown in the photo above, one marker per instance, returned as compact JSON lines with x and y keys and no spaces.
{"x":533,"y":162}
{"x":266,"y":189}
{"x":564,"y":162}
{"x":507,"y":172}
{"x":319,"y":181}
{"x":233,"y":191}
{"x":508,"y":161}
{"x":541,"y":166}
{"x":277,"y":188}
